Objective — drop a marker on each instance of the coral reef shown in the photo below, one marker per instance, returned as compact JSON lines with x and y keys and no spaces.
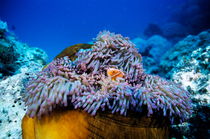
{"x":182,"y":51}
{"x":187,"y":63}
{"x":152,"y":51}
{"x":3,"y":27}
{"x":152,"y":29}
{"x":15,"y":54}
{"x":158,"y":45}
{"x":171,"y":30}
{"x":23,"y":61}
{"x":194,"y":73}
{"x":12,"y":105}
{"x":84,"y":83}
{"x":174,"y":31}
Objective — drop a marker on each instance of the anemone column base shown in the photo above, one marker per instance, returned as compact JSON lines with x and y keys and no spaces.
{"x":73,"y":124}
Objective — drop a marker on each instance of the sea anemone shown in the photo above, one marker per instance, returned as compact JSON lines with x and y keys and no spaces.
{"x":109,"y":76}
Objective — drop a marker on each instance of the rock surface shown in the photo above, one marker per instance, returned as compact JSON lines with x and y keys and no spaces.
{"x":152,"y":50}
{"x":15,"y":54}
{"x":174,"y":31}
{"x":12,"y":107}
{"x":187,"y":63}
{"x":18,"y":63}
{"x":182,"y":54}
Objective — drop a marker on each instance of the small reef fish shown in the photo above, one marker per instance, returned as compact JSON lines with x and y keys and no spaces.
{"x":114,"y":73}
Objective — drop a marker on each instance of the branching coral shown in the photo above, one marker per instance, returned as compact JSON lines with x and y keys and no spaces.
{"x":87,"y":83}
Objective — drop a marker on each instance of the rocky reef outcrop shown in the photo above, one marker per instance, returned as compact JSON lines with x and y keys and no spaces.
{"x":171,"y":30}
{"x":188,"y":63}
{"x":152,"y":51}
{"x":18,"y":63}
{"x":185,"y":51}
{"x":15,"y":54}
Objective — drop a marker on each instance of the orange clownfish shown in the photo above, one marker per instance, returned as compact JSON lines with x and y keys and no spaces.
{"x":115,"y":73}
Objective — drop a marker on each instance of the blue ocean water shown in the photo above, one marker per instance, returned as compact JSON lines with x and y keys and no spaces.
{"x":55,"y":24}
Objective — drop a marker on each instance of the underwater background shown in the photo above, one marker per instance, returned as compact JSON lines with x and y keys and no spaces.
{"x":54,"y":25}
{"x":172,"y":36}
